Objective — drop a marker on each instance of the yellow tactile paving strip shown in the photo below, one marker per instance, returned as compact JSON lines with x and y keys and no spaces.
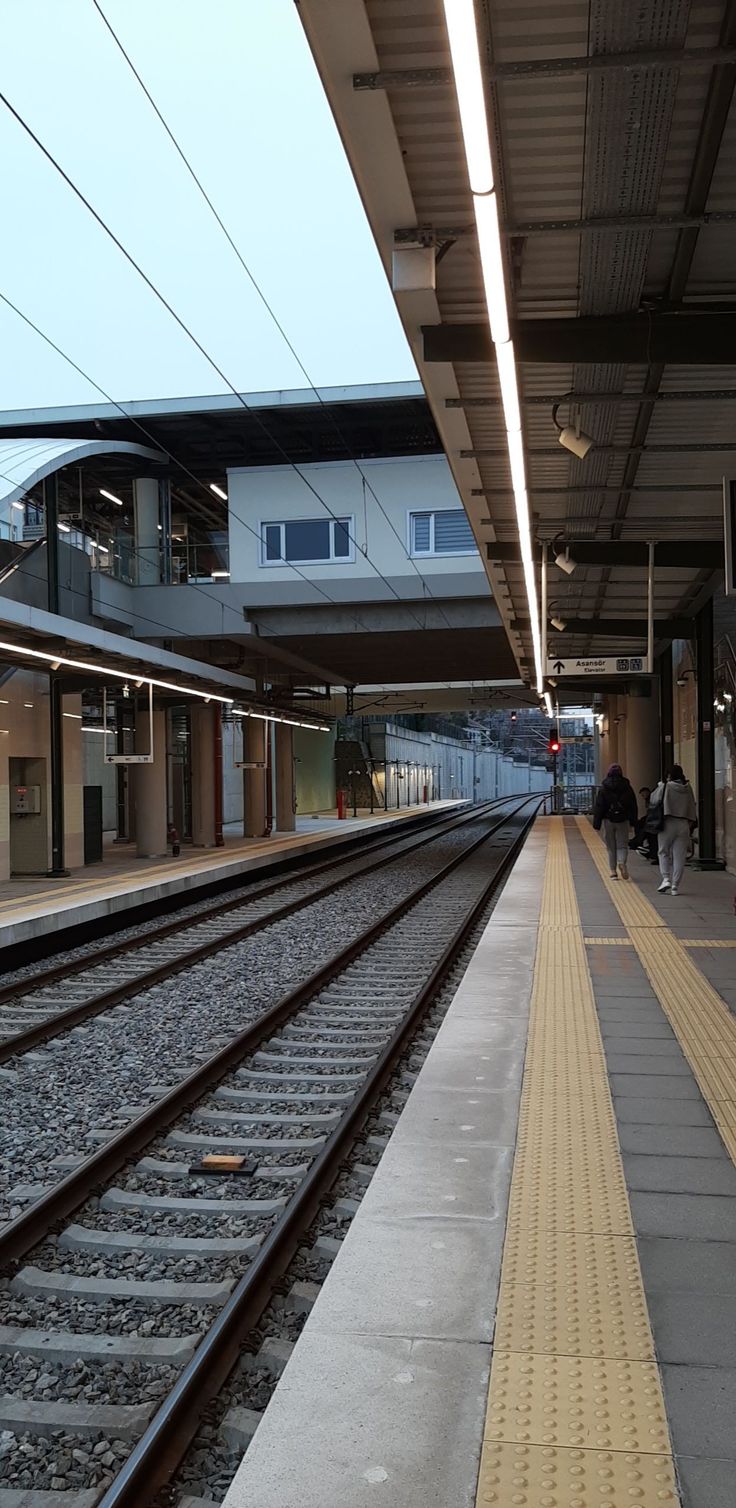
{"x":699,"y":1017}
{"x":575,"y":1411}
{"x":687,"y":942}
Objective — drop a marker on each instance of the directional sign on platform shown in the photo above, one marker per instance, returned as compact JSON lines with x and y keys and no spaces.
{"x":603,"y":665}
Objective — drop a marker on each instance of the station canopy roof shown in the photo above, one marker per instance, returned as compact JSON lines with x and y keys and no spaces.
{"x":614,"y":138}
{"x":33,"y":639}
{"x":25,"y":462}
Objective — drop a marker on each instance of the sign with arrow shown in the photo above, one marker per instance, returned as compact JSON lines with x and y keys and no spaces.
{"x":601,"y":666}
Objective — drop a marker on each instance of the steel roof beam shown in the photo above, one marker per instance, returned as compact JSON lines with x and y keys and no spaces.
{"x":545,"y":400}
{"x":612,"y":62}
{"x":486,"y":453}
{"x":677,"y":554}
{"x":438,"y":235}
{"x":686,"y":338}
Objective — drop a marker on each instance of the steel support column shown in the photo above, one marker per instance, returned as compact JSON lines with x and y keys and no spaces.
{"x":56,"y":748}
{"x":666,"y":715}
{"x":706,"y":743}
{"x":51,"y":509}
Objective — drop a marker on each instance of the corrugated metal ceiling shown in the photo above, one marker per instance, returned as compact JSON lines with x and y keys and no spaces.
{"x":614,"y":142}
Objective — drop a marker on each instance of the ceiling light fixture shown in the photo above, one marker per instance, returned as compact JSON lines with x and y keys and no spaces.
{"x":20,"y":506}
{"x":220,"y":575}
{"x":571,"y":436}
{"x":562,"y":557}
{"x":112,"y":498}
{"x":468,"y":73}
{"x":460,"y":21}
{"x":64,"y":528}
{"x":559,"y":624}
{"x":548,"y":704}
{"x":219,"y":491}
{"x":491,"y":262}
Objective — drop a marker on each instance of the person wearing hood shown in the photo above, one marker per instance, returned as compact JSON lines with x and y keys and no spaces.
{"x":679,"y":818}
{"x":616,"y":811}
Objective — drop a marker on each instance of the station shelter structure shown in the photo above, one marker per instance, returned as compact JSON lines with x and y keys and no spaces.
{"x":191,"y":623}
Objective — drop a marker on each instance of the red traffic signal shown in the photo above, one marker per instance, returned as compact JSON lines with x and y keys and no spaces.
{"x":553,"y":747}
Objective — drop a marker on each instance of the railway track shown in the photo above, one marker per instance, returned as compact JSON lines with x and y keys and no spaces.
{"x":38,"y":1006}
{"x":162,"y":1273}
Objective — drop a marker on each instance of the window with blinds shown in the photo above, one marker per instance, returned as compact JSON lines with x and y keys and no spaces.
{"x":445,"y":532}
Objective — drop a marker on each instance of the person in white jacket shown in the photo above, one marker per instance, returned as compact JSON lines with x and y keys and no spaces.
{"x":675,"y":794}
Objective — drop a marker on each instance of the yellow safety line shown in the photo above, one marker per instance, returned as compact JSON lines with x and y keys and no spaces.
{"x":687,"y":942}
{"x":609,"y":942}
{"x":699,"y":1017}
{"x":575,"y":1415}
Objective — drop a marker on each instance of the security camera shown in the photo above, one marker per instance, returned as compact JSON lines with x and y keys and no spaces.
{"x":575,"y":440}
{"x":559,"y":624}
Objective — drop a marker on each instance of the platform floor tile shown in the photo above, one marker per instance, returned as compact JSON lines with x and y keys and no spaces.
{"x":698,"y":1014}
{"x":576,"y":1415}
{"x":537,"y":1476}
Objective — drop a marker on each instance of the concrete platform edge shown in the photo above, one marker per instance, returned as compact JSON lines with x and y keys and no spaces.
{"x":65,"y":909}
{"x":387,"y":1384}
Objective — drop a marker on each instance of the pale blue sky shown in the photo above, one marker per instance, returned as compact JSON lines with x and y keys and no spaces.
{"x":236,"y":82}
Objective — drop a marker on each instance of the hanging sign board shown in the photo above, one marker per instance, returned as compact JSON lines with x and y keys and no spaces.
{"x":128,"y":758}
{"x":600,"y":666}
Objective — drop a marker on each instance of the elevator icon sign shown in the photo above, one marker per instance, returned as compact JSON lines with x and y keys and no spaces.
{"x":598,"y":665}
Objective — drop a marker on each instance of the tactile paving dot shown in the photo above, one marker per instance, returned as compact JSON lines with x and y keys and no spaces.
{"x":595,"y":1404}
{"x":513,"y":1476}
{"x":568,"y":1295}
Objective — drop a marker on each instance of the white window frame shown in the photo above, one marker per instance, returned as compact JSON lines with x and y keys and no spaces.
{"x":431,"y":553}
{"x":280,"y":523}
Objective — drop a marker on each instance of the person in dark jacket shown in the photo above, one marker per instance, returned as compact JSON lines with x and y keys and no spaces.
{"x":616,"y":811}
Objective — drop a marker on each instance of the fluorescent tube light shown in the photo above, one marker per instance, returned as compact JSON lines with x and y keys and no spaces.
{"x":111,"y":497}
{"x":509,"y":387}
{"x":121,"y":675}
{"x":516,"y":460}
{"x":461,"y":30}
{"x":220,"y":492}
{"x":20,"y":506}
{"x":491,"y":262}
{"x":220,"y":575}
{"x":64,"y":529}
{"x":548,"y":704}
{"x":466,"y":62}
{"x":76,"y":715}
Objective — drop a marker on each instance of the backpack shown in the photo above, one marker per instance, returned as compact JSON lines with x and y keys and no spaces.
{"x":654,"y":819}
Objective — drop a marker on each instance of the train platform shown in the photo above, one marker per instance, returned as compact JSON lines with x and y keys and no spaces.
{"x":124,"y":882}
{"x":535,"y":1305}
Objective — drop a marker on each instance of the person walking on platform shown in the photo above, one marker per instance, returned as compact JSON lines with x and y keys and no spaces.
{"x":674,"y":796}
{"x":616,"y":811}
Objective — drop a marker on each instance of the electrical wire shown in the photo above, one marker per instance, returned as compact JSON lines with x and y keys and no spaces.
{"x":261,"y":295}
{"x":175,"y":461}
{"x":190,"y":334}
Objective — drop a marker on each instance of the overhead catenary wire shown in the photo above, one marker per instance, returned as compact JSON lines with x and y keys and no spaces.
{"x":265,"y":302}
{"x":193,"y":338}
{"x":175,"y":461}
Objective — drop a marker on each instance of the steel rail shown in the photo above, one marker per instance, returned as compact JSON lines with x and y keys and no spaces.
{"x":56,"y":1024}
{"x":154,"y":1460}
{"x":36,"y":1223}
{"x":218,"y":907}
